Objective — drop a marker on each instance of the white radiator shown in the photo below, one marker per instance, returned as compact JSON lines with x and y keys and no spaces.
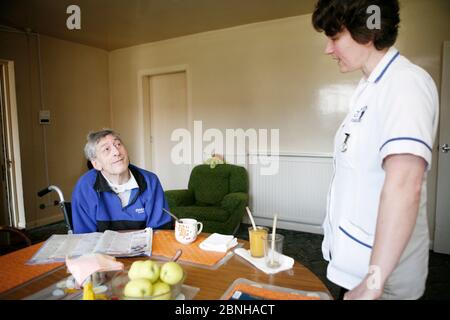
{"x":297,"y":193}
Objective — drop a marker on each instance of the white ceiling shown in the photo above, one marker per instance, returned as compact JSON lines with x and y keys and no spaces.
{"x":113,"y":24}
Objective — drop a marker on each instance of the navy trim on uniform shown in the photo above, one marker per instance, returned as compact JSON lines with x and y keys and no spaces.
{"x":353,"y":238}
{"x":407,"y":138}
{"x":390,"y":62}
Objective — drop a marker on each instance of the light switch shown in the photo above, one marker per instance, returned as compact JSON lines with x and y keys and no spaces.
{"x":44,"y":117}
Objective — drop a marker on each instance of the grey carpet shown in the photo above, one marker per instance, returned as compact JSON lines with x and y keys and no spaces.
{"x":306,"y":249}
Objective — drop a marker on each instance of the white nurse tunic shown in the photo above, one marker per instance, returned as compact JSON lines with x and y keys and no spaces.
{"x":394,"y":111}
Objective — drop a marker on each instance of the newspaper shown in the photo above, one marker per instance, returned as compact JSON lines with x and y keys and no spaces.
{"x":113,"y":243}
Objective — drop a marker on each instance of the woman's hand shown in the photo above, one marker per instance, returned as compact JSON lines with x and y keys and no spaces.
{"x":365,"y":290}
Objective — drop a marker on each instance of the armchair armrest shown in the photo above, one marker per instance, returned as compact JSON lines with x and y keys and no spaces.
{"x":178,"y":198}
{"x":235,"y":204}
{"x":233,"y":201}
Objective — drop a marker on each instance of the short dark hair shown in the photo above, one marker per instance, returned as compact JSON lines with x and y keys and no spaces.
{"x":332,"y":16}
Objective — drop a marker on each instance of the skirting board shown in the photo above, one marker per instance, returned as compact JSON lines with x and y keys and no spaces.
{"x":44,"y":221}
{"x":288,"y":225}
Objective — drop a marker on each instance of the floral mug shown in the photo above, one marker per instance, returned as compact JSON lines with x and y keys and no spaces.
{"x":186,"y":230}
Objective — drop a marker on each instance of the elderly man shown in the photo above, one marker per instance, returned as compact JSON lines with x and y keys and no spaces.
{"x":116,"y":195}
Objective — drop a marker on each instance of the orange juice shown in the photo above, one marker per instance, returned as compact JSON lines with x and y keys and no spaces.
{"x":257,"y":238}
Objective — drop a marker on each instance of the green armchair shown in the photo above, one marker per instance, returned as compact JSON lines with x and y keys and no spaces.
{"x":216,"y":197}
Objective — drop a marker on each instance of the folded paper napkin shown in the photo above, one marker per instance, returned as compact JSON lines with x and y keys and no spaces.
{"x":218,"y":242}
{"x":84,"y":266}
{"x":286,"y":262}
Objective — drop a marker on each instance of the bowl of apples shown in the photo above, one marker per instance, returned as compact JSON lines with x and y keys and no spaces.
{"x":149,"y":280}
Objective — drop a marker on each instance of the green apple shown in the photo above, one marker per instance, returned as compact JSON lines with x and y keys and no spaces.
{"x":171,"y":273}
{"x":161,"y":291}
{"x":138,"y":288}
{"x":147,"y":269}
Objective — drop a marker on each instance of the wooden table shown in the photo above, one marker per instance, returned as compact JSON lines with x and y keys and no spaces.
{"x":212,"y":283}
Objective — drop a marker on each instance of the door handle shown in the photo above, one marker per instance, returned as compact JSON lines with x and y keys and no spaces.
{"x":445,"y":148}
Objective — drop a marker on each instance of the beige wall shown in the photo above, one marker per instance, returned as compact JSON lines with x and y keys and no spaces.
{"x":268,"y":75}
{"x":264,"y":75}
{"x":255,"y":76}
{"x":75,"y":89}
{"x":424,"y":27}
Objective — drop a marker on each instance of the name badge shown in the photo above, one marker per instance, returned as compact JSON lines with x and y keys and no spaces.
{"x":357,"y":116}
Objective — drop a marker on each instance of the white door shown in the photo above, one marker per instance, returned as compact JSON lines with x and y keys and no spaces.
{"x":11,"y":193}
{"x":168,"y":111}
{"x":5,"y":210}
{"x":442,"y":225}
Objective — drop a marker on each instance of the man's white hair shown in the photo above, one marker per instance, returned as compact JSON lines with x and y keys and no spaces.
{"x":92,"y":140}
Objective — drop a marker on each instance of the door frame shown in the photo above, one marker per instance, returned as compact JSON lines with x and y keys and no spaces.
{"x":144,"y":108}
{"x":11,"y":136}
{"x":441,"y":241}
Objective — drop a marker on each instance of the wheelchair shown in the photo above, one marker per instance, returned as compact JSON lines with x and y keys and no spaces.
{"x":65,"y":207}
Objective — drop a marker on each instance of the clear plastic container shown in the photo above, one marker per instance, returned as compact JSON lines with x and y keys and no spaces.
{"x":120,"y":280}
{"x":232,"y":288}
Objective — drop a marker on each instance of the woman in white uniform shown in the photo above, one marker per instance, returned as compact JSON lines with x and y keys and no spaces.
{"x":375,"y":232}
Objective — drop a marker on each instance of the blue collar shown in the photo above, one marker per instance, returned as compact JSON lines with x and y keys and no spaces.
{"x":383,"y":65}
